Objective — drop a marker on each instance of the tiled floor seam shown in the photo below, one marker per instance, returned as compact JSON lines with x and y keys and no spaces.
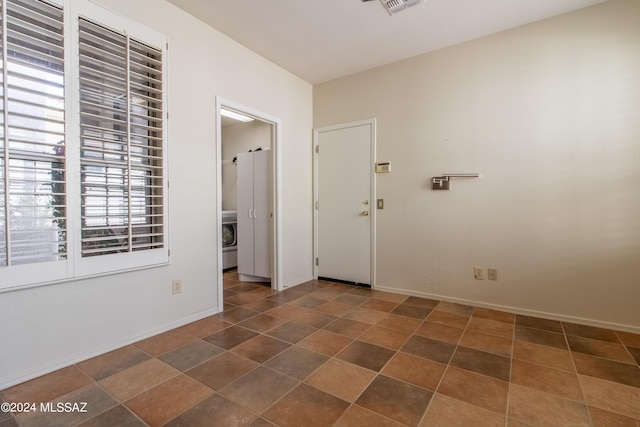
{"x":513,"y":349}
{"x":620,"y":342}
{"x":351,"y":405}
{"x":575,"y":372}
{"x":222,"y":393}
{"x":257,"y":415}
{"x":444,"y":373}
{"x":123,"y":403}
{"x":303,"y":381}
{"x":120,"y":403}
{"x":575,"y":368}
{"x":107,"y":392}
{"x":378,"y":373}
{"x":626,"y":346}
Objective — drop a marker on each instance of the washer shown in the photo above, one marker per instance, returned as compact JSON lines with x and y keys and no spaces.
{"x":229,"y":239}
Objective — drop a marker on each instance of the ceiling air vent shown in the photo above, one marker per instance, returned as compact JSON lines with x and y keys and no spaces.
{"x":394,"y":6}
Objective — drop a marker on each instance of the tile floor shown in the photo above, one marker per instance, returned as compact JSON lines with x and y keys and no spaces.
{"x":327,"y":354}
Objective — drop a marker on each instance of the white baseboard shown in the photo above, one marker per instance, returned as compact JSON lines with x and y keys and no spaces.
{"x":516,"y":310}
{"x":59,"y":364}
{"x":509,"y":309}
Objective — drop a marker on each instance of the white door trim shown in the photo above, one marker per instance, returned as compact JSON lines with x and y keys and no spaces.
{"x":276,"y":232}
{"x":372,"y":198}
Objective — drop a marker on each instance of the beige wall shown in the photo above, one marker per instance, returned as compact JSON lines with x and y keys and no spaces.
{"x":549,"y":114}
{"x":48,"y":327}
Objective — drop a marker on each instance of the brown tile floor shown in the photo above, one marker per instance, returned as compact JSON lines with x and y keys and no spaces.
{"x":324,"y":354}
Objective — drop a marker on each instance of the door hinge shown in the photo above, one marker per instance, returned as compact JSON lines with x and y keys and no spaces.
{"x":316,"y":205}
{"x":317,"y":261}
{"x":317,"y":148}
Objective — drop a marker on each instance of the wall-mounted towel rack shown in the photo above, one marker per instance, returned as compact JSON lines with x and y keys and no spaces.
{"x":442,"y":182}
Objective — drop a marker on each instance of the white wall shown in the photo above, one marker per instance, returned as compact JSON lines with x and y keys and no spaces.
{"x":548,"y":113}
{"x":236,"y":139}
{"x":48,"y":327}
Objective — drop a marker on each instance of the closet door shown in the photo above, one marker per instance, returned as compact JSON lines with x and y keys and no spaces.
{"x":254,"y":216}
{"x":245,"y":213}
{"x":261,"y":214}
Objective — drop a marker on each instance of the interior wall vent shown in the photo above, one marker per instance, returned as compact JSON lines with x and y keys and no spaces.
{"x":393,"y":6}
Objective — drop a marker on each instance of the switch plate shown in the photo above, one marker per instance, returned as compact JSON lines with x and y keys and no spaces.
{"x":383,"y":167}
{"x":492,"y":274}
{"x":478,"y":273}
{"x":380,"y":203}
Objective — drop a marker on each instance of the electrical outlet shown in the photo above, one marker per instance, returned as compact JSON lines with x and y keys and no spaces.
{"x":176,"y":286}
{"x":478,"y":273}
{"x":492,"y":274}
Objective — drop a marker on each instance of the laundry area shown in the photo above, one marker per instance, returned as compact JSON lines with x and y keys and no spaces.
{"x":246,"y":196}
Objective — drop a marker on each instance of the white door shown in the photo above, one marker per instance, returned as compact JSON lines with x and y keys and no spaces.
{"x":245,"y":214}
{"x":254,"y":215}
{"x":345,"y":210}
{"x":261,"y":213}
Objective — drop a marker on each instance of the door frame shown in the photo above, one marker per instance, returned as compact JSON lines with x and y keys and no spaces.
{"x":276,"y":190}
{"x":372,"y":196}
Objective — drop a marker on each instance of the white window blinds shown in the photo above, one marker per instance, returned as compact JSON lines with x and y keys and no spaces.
{"x":121,"y":142}
{"x":82,"y":143}
{"x":33,"y":210}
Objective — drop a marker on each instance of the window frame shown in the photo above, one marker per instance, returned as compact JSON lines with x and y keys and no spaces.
{"x":75,"y":266}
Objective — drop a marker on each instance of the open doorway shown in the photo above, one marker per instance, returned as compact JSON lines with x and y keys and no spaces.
{"x":245,"y":135}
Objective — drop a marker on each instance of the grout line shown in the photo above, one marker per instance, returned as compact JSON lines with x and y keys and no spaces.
{"x":447,"y":366}
{"x":513,"y":348}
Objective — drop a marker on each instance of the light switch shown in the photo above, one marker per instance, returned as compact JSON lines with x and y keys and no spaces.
{"x":380,"y":203}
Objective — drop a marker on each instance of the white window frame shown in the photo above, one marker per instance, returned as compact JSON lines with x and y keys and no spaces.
{"x":75,"y":266}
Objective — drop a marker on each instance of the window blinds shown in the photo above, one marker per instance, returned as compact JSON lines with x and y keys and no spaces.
{"x":32,"y":134}
{"x":121,"y":142}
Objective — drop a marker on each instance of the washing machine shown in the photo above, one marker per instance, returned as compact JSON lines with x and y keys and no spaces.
{"x":229,"y":239}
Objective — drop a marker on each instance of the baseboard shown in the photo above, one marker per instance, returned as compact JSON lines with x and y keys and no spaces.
{"x":509,"y":309}
{"x":516,"y":310}
{"x":54,"y":366}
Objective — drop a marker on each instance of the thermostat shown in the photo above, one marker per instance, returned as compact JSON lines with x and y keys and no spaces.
{"x":383,"y":167}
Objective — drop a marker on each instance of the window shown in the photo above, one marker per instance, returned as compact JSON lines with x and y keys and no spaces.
{"x":120,"y":142}
{"x":82,"y":143}
{"x":32,"y":142}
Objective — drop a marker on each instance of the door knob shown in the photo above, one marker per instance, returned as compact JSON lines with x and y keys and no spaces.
{"x":364,"y":213}
{"x":366,"y":202}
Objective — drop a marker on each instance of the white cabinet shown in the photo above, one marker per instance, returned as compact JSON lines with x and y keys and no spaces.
{"x":254,"y":212}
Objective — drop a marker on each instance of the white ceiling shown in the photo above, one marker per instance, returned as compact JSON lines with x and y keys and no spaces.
{"x":319,"y":40}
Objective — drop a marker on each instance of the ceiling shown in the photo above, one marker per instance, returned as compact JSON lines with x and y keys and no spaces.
{"x":320,"y":40}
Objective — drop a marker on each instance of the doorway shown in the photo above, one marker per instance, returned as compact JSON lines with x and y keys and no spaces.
{"x":345,"y":208}
{"x":262,"y":133}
